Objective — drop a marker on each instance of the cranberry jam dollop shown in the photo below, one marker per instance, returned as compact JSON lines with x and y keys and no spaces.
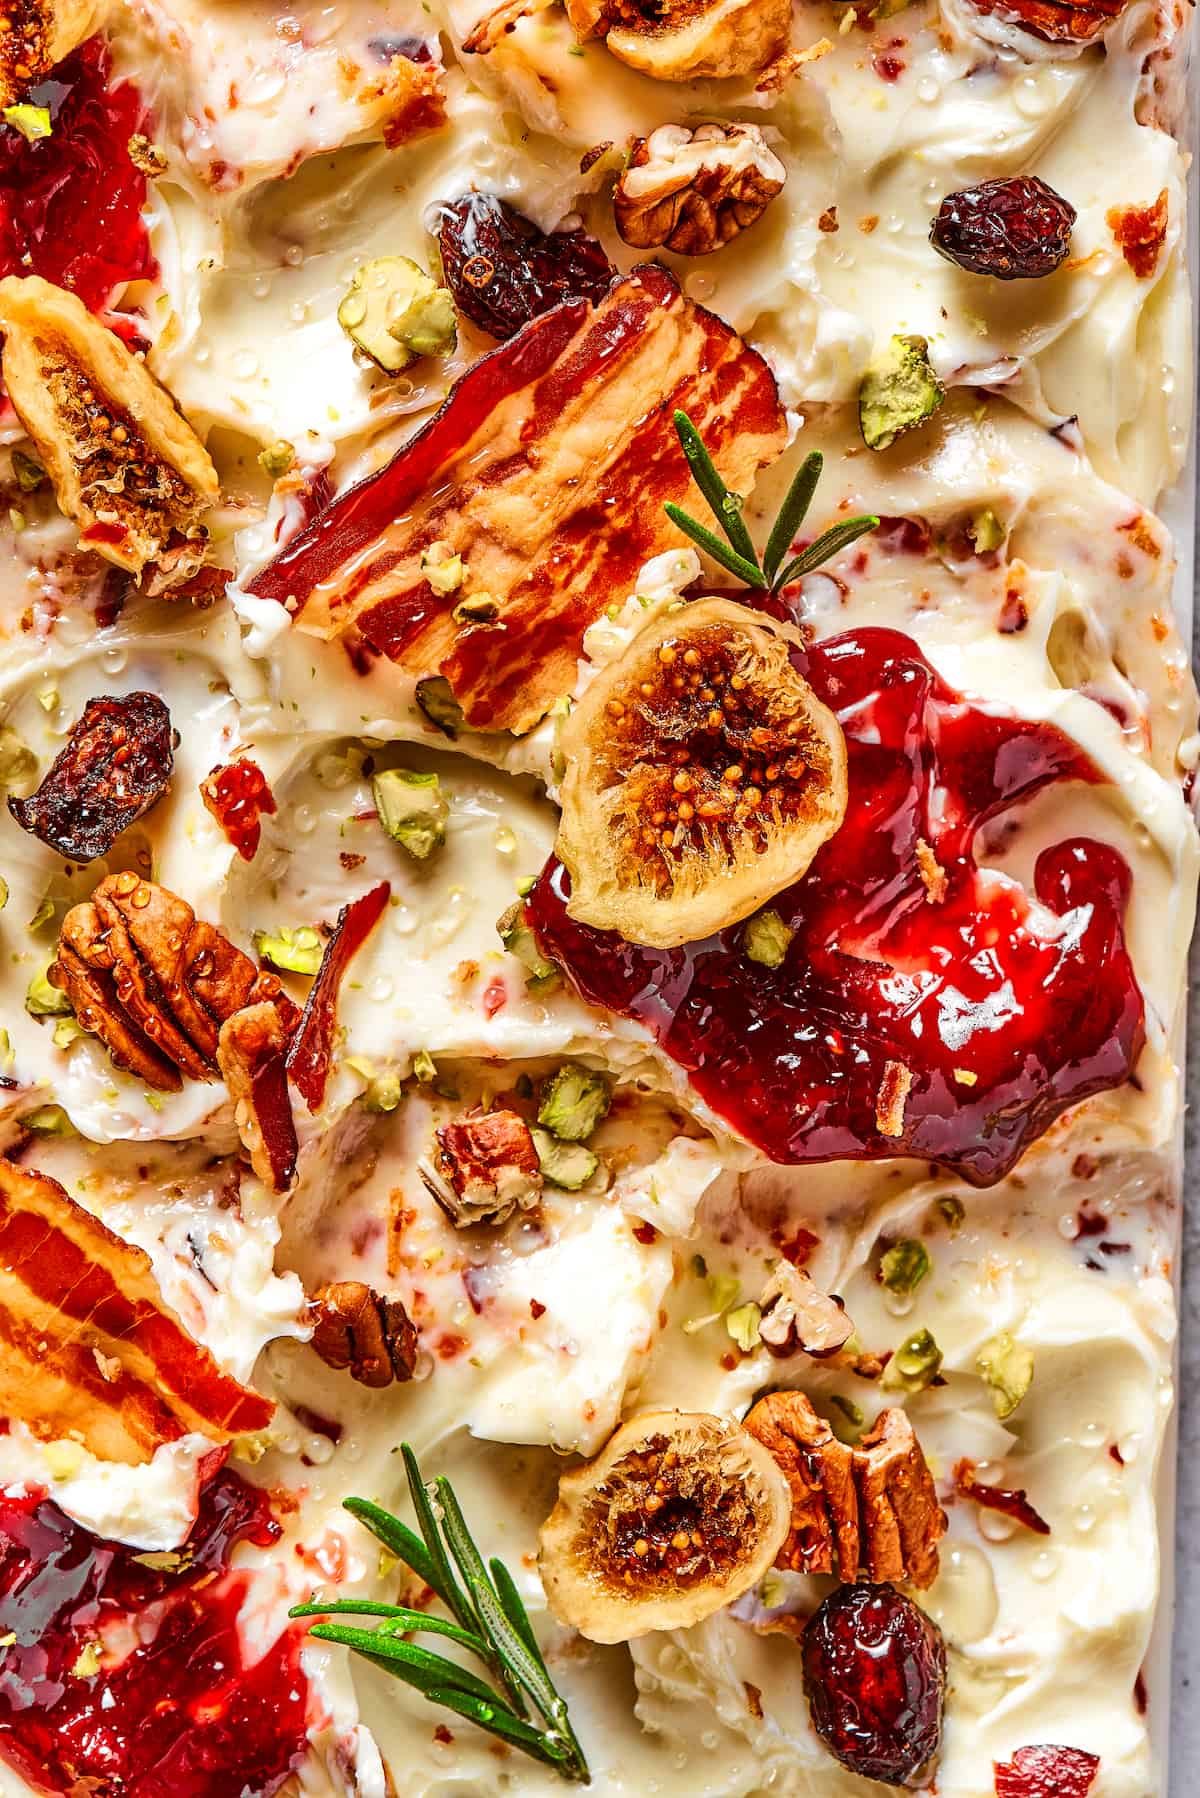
{"x":71,"y":203}
{"x":126,"y":1679}
{"x":923,"y":1007}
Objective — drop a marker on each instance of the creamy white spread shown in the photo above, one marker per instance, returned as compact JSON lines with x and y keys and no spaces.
{"x":536,"y":1343}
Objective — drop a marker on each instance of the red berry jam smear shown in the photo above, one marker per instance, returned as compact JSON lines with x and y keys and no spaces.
{"x":995,"y":1012}
{"x":1047,"y":1771}
{"x":180,"y":1714}
{"x":71,"y":203}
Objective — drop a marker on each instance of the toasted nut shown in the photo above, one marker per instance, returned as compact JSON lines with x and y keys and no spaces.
{"x":687,"y":40}
{"x":873,"y":1508}
{"x":692,"y":191}
{"x":796,"y":1314}
{"x":356,"y":1329}
{"x":250,"y":1054}
{"x":38,"y":34}
{"x":125,"y":464}
{"x":484,"y":1167}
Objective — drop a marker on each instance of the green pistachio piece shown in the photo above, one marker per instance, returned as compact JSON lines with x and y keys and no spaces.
{"x":899,"y":391}
{"x":294,"y":951}
{"x":952,"y":1211}
{"x":477,"y":608}
{"x":7,"y":1052}
{"x":17,"y":760}
{"x":48,"y":1120}
{"x":986,"y":531}
{"x":573,"y":1101}
{"x":854,"y":1418}
{"x":66,"y":1032}
{"x":424,"y":1067}
{"x":904,"y":1266}
{"x":394,"y":312}
{"x":1007,"y":1369}
{"x":766,"y":939}
{"x":411,"y":809}
{"x":3,"y":892}
{"x":27,"y":473}
{"x":32,"y":122}
{"x":742,"y":1326}
{"x":566,"y":1164}
{"x":45,"y":1001}
{"x":277,"y":458}
{"x":915,"y":1364}
{"x":437,"y":701}
{"x":518,"y":938}
{"x":383,"y":1093}
{"x":443,"y":570}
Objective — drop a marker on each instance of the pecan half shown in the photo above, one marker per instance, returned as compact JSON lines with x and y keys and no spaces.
{"x":36,"y":35}
{"x":116,"y":764}
{"x":251,"y":1054}
{"x":154,"y":982}
{"x":687,"y":40}
{"x":356,"y":1329}
{"x":125,"y":464}
{"x":872,"y":1509}
{"x":692,"y":191}
{"x":796,"y":1314}
{"x":482,"y":1168}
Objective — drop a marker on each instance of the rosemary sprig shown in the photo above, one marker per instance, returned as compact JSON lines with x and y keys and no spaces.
{"x":738,"y":554}
{"x":490,"y":1621}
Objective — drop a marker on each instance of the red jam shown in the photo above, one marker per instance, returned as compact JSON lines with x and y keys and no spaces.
{"x":237,"y":794}
{"x":71,"y":203}
{"x":181,"y":1715}
{"x":1001,"y":1012}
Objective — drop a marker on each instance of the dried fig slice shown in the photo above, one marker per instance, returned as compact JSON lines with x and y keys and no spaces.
{"x":679,"y":1515}
{"x":116,"y":765}
{"x":38,"y":34}
{"x":687,"y":40}
{"x":125,"y":464}
{"x":703,"y":774}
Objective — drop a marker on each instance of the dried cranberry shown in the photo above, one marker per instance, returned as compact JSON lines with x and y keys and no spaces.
{"x":1014,"y":230}
{"x":875,"y":1675}
{"x":503,"y":271}
{"x":117,"y":763}
{"x":1047,"y":1772}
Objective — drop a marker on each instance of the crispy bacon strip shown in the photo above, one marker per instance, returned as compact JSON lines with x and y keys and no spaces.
{"x":311,"y":1053}
{"x":88,"y":1349}
{"x":1011,"y":1500}
{"x":546,"y":471}
{"x":251,"y":1053}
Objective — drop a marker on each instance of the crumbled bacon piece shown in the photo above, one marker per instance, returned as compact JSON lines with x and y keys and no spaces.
{"x":1057,"y":21}
{"x":565,"y":425}
{"x":91,"y":1352}
{"x":311,"y":1054}
{"x":892,"y":1097}
{"x":357,"y":1330}
{"x":252,"y":1056}
{"x":154,"y":982}
{"x":1140,"y":233}
{"x":933,"y":875}
{"x":238,"y":794}
{"x":1046,"y":1771}
{"x":410,"y":99}
{"x":483,"y":1168}
{"x":1011,"y":1501}
{"x":872,"y":1508}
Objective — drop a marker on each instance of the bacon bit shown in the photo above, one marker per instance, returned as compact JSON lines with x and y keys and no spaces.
{"x":1011,"y":1501}
{"x":311,"y":1053}
{"x":892,"y":1097}
{"x":828,"y":221}
{"x":1140,"y":233}
{"x":1047,"y":1772}
{"x":1085,"y":1167}
{"x":1140,"y":533}
{"x":1014,"y":614}
{"x":796,"y":1248}
{"x":443,"y":1735}
{"x":868,"y":222}
{"x":91,"y":1352}
{"x":350,"y":862}
{"x":412,"y":97}
{"x":753,"y":1699}
{"x":645,"y":1233}
{"x":933,"y":875}
{"x":495,"y":997}
{"x":536,"y":1309}
{"x":449,"y":1346}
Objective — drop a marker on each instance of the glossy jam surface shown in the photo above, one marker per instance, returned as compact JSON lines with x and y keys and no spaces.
{"x":127,"y":1680}
{"x":909,"y":967}
{"x":71,"y":203}
{"x":875,"y":1679}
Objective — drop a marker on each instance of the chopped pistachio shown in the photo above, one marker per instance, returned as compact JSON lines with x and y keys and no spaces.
{"x":477,"y":608}
{"x":48,"y":698}
{"x":742,"y":1326}
{"x":43,"y":1000}
{"x":566,"y":1164}
{"x":87,"y":1662}
{"x":383,"y":1093}
{"x":766,"y":938}
{"x":518,"y":938}
{"x":66,"y":1032}
{"x":573,"y":1101}
{"x":952,"y":1211}
{"x":395,"y":312}
{"x":32,"y":122}
{"x":277,"y":458}
{"x":48,"y":1120}
{"x":722,"y":1290}
{"x":424,"y":1067}
{"x":915,"y":1364}
{"x":436,"y":699}
{"x":17,"y":519}
{"x":44,"y":914}
{"x":3,"y":892}
{"x":17,"y":760}
{"x":7,"y":1052}
{"x":850,"y":1411}
{"x":904,"y":1266}
{"x":1007,"y":1368}
{"x":411,"y":810}
{"x":986,"y":531}
{"x":295,"y":951}
{"x":27,"y":473}
{"x":899,"y":391}
{"x":443,"y":569}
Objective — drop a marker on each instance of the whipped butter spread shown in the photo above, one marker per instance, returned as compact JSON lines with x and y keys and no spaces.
{"x":367,"y":1079}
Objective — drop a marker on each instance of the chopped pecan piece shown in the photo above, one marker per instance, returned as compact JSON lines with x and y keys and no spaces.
{"x":873,"y":1508}
{"x":483,"y":1168}
{"x":116,"y":764}
{"x":252,"y":1056}
{"x":687,"y":40}
{"x":154,"y":982}
{"x":125,"y":464}
{"x":91,"y":1352}
{"x":356,"y":1328}
{"x":692,"y":191}
{"x":796,"y":1314}
{"x":567,"y":422}
{"x":36,"y":35}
